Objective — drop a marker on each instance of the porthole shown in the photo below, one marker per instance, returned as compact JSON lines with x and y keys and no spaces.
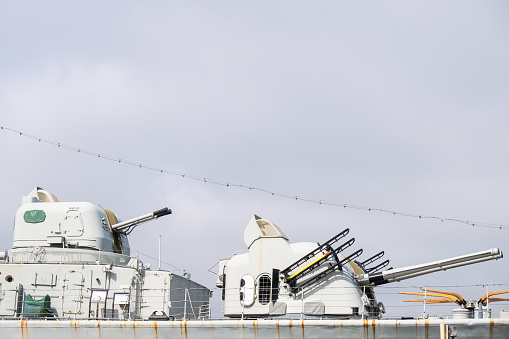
{"x":9,"y":278}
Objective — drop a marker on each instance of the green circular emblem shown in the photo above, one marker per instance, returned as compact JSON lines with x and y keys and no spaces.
{"x":34,"y":216}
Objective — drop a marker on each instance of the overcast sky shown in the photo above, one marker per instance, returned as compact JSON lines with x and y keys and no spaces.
{"x":396,"y":105}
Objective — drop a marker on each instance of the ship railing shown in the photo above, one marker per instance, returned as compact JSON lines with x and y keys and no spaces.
{"x":388,"y":303}
{"x":78,"y":302}
{"x":326,"y":301}
{"x":49,"y":255}
{"x":179,"y":303}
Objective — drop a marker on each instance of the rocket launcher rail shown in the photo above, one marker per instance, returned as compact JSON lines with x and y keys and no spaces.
{"x":398,"y":274}
{"x":128,"y":225}
{"x":316,"y":251}
{"x":372,"y":259}
{"x":378,"y":267}
{"x":326,"y":272}
{"x":290,"y":280}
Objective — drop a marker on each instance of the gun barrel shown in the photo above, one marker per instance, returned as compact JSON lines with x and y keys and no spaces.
{"x":417,"y":270}
{"x":140,"y":220}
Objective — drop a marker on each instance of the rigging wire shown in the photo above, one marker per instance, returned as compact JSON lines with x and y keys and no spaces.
{"x":254,"y":188}
{"x":164,"y":262}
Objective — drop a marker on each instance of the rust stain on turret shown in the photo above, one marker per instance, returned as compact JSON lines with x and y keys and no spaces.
{"x":373,"y":328}
{"x":255,"y":328}
{"x":76,"y":327}
{"x":243,"y":329}
{"x":73,"y":324}
{"x":365,"y":327}
{"x":24,"y":329}
{"x":155,"y":329}
{"x":290,"y":326}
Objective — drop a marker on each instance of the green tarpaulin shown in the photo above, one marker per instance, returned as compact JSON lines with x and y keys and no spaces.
{"x":37,"y":308}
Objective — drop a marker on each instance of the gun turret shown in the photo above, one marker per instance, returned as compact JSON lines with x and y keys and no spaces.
{"x":417,"y":270}
{"x":128,"y":225}
{"x":279,"y":278}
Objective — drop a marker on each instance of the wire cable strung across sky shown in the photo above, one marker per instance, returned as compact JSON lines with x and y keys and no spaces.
{"x":229,"y":184}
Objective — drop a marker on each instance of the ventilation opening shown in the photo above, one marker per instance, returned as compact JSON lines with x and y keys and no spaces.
{"x":264,"y":289}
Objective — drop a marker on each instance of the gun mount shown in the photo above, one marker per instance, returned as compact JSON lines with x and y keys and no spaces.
{"x":43,"y":221}
{"x":277,"y":278}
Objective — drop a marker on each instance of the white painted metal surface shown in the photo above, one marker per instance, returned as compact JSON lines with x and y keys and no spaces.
{"x":253,"y":329}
